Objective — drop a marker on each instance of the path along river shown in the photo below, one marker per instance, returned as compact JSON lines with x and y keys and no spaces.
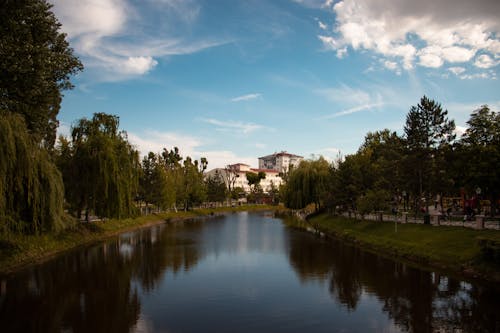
{"x":244,"y":272}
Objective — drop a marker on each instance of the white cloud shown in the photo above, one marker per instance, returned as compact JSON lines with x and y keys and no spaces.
{"x":245,"y":128}
{"x":483,"y":75}
{"x":430,"y":60}
{"x":139,"y":65}
{"x":459,"y":131}
{"x":392,"y":65}
{"x":114,"y":40}
{"x":355,"y":109}
{"x":350,"y":99}
{"x":188,"y":145}
{"x":345,"y":95}
{"x":322,"y":25}
{"x":485,"y":61}
{"x":246,"y":97}
{"x":456,"y":70}
{"x":428,"y":33}
{"x":155,"y":141}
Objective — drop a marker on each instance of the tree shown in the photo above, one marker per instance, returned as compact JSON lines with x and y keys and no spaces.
{"x":193,"y":190}
{"x":216,"y":188}
{"x":479,"y":154}
{"x":255,"y":178}
{"x":102,"y":169}
{"x":427,"y":131}
{"x":172,"y":160}
{"x":31,"y":188}
{"x":153,"y":182}
{"x":36,"y":64}
{"x":231,"y":174}
{"x":308,"y":183}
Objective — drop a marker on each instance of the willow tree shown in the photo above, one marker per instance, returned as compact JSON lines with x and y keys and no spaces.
{"x":31,"y":188}
{"x":307,"y":184}
{"x":101,"y":170}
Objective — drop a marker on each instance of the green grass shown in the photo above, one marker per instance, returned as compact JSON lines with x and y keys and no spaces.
{"x":454,"y":248}
{"x":18,"y":250}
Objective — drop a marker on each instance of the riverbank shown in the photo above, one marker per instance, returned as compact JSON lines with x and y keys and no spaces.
{"x":457,"y":250}
{"x":18,"y":251}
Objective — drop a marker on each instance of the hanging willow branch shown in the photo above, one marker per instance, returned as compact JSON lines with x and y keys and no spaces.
{"x":31,"y":188}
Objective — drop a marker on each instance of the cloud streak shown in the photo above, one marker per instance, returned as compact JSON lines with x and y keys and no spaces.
{"x":237,"y":126}
{"x":247,"y":97}
{"x":355,"y":109}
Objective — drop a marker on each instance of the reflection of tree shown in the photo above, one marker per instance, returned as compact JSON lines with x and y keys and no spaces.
{"x":91,"y":291}
{"x":163,"y":249}
{"x":417,"y":300}
{"x":313,"y":258}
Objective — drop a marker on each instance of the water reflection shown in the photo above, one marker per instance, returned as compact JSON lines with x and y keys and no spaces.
{"x":417,"y":300}
{"x":90,"y":290}
{"x":243,"y":273}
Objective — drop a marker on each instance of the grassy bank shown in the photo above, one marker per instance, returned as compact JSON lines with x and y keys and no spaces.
{"x":454,"y":249}
{"x":17,"y":251}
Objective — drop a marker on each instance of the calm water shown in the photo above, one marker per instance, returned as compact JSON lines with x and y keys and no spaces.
{"x":241,"y":273}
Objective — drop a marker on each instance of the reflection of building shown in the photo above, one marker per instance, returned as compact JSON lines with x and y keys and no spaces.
{"x":236,"y":176}
{"x":280,"y":162}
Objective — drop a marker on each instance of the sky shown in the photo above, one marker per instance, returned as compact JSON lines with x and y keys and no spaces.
{"x":236,"y":80}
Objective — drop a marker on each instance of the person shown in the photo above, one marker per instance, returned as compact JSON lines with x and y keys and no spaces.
{"x":436,"y":201}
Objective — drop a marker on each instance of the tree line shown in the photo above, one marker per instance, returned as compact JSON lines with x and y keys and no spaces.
{"x":94,"y":171}
{"x":426,"y":163}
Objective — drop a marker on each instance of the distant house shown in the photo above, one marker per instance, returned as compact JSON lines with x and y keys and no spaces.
{"x":280,"y":162}
{"x":235,"y":175}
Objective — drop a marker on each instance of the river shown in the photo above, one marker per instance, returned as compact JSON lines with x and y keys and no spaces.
{"x":244,"y":272}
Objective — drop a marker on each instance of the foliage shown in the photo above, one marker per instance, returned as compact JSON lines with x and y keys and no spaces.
{"x":373,"y":200}
{"x":427,"y":132}
{"x":36,"y":63}
{"x":308,"y":183}
{"x":255,"y":178}
{"x":154,"y":183}
{"x":216,"y":188}
{"x":478,"y":155}
{"x":100,"y":168}
{"x":31,"y":188}
{"x":424,"y":162}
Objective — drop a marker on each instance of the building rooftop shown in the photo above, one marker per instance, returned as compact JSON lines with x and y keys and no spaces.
{"x":281,"y":153}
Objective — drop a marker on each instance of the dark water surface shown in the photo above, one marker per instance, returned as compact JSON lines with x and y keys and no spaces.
{"x":240,"y":273}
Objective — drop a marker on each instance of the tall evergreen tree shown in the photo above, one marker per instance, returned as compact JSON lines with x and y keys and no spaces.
{"x":427,"y":130}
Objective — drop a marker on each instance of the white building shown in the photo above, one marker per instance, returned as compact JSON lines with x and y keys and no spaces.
{"x":280,"y":162}
{"x":236,"y":176}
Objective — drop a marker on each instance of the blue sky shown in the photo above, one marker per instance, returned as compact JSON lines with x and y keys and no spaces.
{"x":235,"y":80}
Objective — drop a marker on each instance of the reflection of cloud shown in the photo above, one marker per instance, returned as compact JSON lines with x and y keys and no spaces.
{"x":429,"y":33}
